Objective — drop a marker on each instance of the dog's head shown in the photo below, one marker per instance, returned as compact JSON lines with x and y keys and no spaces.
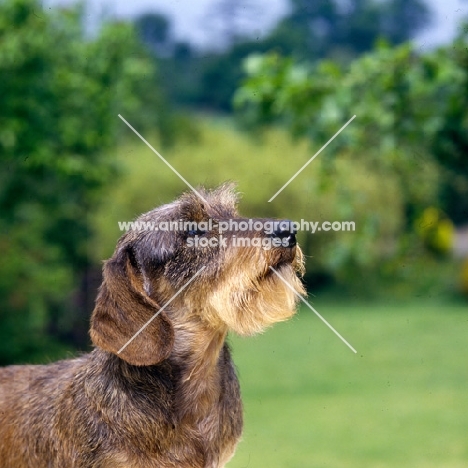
{"x":195,"y":254}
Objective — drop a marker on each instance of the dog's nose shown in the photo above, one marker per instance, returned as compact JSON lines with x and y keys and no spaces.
{"x":286,"y":232}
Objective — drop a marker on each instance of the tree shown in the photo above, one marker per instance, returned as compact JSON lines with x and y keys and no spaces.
{"x":60,"y":93}
{"x":450,"y":144}
{"x":408,"y":133}
{"x":232,"y":18}
{"x":331,"y":28}
{"x":403,"y":19}
{"x":154,"y":29}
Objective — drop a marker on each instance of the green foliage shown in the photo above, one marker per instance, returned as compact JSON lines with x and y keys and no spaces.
{"x":386,"y":89}
{"x":218,"y":153}
{"x":343,"y":30}
{"x":310,"y":30}
{"x":346,"y":190}
{"x":60,"y":93}
{"x":450,"y":145}
{"x":402,"y":103}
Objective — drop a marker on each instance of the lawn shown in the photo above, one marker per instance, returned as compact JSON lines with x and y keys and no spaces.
{"x":402,"y":401}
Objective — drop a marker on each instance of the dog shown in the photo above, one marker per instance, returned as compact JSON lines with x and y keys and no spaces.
{"x":159,"y":388}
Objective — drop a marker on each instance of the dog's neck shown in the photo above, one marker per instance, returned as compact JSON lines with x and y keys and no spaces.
{"x":197,"y":352}
{"x":194,"y":367}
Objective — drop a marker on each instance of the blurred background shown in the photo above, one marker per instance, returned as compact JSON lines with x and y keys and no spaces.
{"x":249,"y":90}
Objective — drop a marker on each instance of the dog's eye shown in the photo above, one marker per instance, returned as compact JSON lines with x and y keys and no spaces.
{"x":196,"y":232}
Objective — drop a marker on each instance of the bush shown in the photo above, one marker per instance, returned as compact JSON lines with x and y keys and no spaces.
{"x":60,"y":93}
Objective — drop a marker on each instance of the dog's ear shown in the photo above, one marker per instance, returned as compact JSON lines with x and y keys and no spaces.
{"x":123,"y":308}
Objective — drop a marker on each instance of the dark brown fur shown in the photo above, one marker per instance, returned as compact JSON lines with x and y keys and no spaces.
{"x":171,"y":397}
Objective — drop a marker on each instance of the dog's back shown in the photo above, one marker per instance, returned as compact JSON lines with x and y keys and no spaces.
{"x":98,"y":411}
{"x":30,"y":406}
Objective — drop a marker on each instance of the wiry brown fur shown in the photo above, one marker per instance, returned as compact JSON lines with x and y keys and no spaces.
{"x":171,"y":397}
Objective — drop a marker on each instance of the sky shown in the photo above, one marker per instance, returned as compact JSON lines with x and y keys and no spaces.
{"x":190,"y":16}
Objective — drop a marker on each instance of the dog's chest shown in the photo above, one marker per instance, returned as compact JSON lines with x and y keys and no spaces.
{"x":213,"y":422}
{"x":200,"y":430}
{"x":208,"y":443}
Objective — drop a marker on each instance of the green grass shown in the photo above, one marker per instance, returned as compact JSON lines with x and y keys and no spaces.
{"x":402,"y":401}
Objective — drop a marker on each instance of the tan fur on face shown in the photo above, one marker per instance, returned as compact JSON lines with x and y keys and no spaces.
{"x":246,"y":296}
{"x":250,"y":297}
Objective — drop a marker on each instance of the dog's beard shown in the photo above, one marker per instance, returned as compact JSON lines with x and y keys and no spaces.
{"x":248,"y":305}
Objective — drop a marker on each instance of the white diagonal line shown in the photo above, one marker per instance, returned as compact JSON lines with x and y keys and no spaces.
{"x":313,"y":310}
{"x":161,"y":309}
{"x":163,"y":160}
{"x":312,"y":158}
